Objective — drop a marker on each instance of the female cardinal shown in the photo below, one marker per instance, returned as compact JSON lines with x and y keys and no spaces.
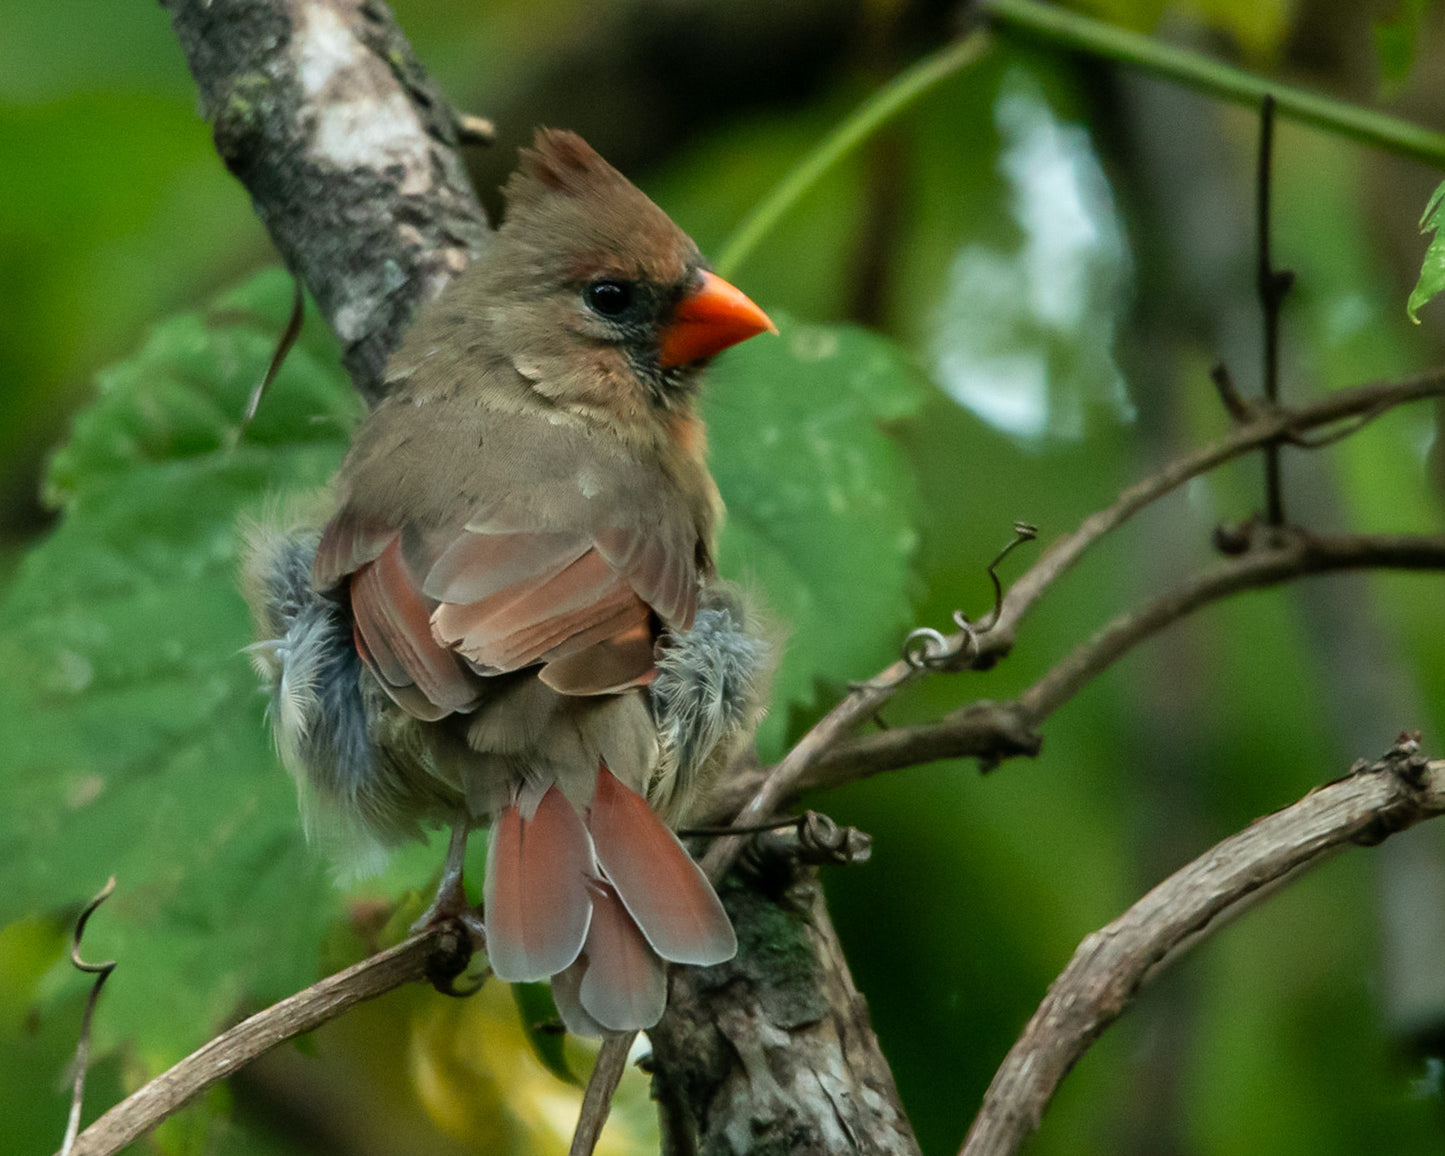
{"x":512,"y":613}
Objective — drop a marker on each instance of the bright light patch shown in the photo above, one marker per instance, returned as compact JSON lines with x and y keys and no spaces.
{"x":1025,"y":339}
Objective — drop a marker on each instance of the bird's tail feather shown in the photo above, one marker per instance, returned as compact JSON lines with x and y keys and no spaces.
{"x":598,"y":905}
{"x":664,"y":891}
{"x":538,"y":902}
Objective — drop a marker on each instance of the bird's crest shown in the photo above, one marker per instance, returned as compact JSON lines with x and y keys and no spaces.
{"x":563,"y":162}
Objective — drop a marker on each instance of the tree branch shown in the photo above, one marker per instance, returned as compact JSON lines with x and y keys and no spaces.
{"x":1181,"y":66}
{"x":1266,"y":425}
{"x":348,"y":149}
{"x":776,"y":1045}
{"x":1295,"y":555}
{"x":440,"y":954}
{"x":992,"y":732}
{"x":827,"y":756}
{"x":1112,"y":964}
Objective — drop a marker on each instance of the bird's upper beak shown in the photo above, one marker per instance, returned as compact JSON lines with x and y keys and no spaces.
{"x":711,"y":317}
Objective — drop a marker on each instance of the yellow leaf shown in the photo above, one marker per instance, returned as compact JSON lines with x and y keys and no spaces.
{"x":475,"y":1071}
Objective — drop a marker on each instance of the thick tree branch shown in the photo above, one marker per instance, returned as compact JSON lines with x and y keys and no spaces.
{"x":440,"y":954}
{"x":1112,"y":964}
{"x":773,"y":1051}
{"x":349,"y":152}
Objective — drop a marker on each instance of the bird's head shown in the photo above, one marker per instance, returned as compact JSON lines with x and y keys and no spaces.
{"x":599,"y":298}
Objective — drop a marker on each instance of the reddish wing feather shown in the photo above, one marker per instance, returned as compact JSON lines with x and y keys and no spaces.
{"x":394,"y":619}
{"x":625,"y":985}
{"x":406,"y":696}
{"x":531,"y":620}
{"x":537,"y":893}
{"x":554,"y":634}
{"x":346,"y":544}
{"x":663,"y":889}
{"x":505,"y":601}
{"x":665,"y":578}
{"x":477,"y":565}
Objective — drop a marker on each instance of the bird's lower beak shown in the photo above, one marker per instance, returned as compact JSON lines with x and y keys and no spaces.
{"x":709,"y":319}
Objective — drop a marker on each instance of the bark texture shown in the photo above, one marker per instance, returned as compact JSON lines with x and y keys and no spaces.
{"x":772,"y":1053}
{"x":321,"y":110}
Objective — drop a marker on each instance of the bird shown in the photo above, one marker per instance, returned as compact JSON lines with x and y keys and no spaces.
{"x":509,"y":613}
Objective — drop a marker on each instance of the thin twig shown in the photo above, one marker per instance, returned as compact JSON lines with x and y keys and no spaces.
{"x":857,"y":706}
{"x":438,"y":952}
{"x":1239,"y":409}
{"x":734,"y":829}
{"x":1298,"y":554}
{"x":825,"y":754}
{"x":1023,"y":532}
{"x":1073,"y":30}
{"x":101,"y":971}
{"x":880,"y":108}
{"x":1112,"y":964}
{"x":278,"y":357}
{"x":1273,"y":284}
{"x":601,"y":1087}
{"x":1373,"y":399}
{"x":992,"y":732}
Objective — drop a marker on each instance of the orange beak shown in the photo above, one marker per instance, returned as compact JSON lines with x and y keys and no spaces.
{"x":709,"y":319}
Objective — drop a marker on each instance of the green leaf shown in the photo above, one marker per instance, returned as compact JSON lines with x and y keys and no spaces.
{"x":541,"y":1025}
{"x":820,"y":499}
{"x":135,"y":742}
{"x":1432,"y":269}
{"x":1396,"y":41}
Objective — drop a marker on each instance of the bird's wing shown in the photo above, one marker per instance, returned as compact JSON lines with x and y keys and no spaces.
{"x":508,"y":600}
{"x":584,"y":603}
{"x":434,"y":610}
{"x":392,"y":619}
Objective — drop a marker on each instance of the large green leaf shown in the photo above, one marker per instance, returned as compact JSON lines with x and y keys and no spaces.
{"x":134,"y":735}
{"x":820,"y":499}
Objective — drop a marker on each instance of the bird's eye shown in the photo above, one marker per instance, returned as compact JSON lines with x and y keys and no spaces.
{"x":609,"y":298}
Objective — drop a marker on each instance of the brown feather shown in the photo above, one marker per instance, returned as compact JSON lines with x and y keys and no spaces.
{"x":395,"y":621}
{"x":663,"y":889}
{"x":538,"y":898}
{"x":624,"y":985}
{"x":475,"y":566}
{"x":346,"y":544}
{"x":517,"y":626}
{"x":619,"y":661}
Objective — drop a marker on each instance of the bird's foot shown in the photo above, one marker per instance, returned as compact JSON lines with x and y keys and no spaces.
{"x":450,"y":901}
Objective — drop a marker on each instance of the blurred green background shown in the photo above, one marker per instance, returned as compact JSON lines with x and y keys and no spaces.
{"x":1061,"y":251}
